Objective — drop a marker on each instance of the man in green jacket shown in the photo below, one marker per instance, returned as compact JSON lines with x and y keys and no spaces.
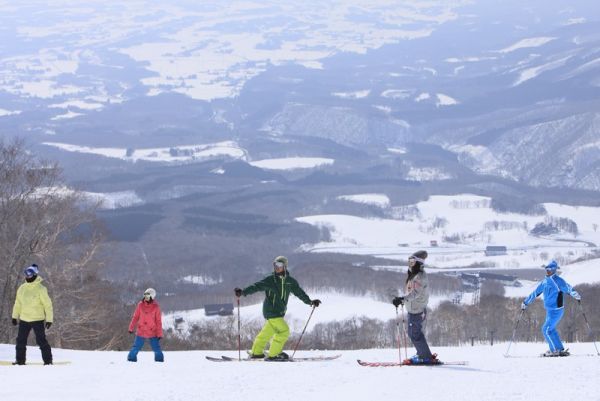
{"x":32,"y":310}
{"x":277,"y":287}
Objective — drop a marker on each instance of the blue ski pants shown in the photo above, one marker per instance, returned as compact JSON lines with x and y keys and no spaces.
{"x":549,"y":331}
{"x":138,"y":344}
{"x":416,"y":321}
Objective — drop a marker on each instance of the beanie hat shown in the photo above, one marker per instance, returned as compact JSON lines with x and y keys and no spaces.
{"x":552,"y":266}
{"x":281,"y":259}
{"x":151,"y":292}
{"x":419,"y":256}
{"x":31,"y":271}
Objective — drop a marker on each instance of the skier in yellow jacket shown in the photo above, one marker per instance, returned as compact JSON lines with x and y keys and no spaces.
{"x":32,"y":310}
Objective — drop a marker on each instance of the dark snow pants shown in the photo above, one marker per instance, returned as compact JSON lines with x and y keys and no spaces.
{"x":40,"y":339}
{"x":415,"y":333}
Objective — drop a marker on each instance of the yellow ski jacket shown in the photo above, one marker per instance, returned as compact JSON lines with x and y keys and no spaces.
{"x":32,"y":303}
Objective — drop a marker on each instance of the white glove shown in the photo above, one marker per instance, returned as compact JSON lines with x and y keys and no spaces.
{"x":523,"y":306}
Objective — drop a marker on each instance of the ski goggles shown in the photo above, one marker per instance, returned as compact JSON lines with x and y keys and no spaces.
{"x":279,"y":265}
{"x":416,"y":259}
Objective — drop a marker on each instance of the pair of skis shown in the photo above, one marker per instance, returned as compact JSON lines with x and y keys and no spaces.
{"x":224,"y":358}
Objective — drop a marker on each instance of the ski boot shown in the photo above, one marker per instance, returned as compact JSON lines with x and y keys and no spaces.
{"x":417,"y":360}
{"x":551,"y":354}
{"x":281,"y":357}
{"x":564,"y":352}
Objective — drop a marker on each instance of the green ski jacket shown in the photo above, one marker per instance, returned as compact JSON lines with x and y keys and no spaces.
{"x":277,"y":292}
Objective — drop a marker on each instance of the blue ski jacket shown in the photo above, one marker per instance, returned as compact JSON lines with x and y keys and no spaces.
{"x":553,"y":288}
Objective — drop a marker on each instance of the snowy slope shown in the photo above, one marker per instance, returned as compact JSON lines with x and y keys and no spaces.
{"x":187,"y":375}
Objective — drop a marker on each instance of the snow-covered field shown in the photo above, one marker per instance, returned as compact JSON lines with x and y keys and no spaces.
{"x":232,"y":41}
{"x":174,"y":154}
{"x":291,"y":163}
{"x":462,"y":226}
{"x":187,"y":375}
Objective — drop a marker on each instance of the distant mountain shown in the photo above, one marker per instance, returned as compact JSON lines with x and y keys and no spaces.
{"x":511,"y":89}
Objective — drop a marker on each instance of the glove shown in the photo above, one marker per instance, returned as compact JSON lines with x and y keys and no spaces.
{"x":577,"y":297}
{"x":397,"y":301}
{"x":48,"y":324}
{"x":315,"y":302}
{"x":523,"y":306}
{"x":159,"y":338}
{"x":238,"y":292}
{"x":130,"y":331}
{"x":14,"y":322}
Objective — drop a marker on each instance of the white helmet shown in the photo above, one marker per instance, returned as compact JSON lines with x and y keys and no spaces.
{"x":151,"y":292}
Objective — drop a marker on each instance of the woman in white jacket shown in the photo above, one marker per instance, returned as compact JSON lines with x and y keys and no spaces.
{"x":416,"y":299}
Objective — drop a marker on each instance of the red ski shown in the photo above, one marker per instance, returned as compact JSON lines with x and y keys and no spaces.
{"x":390,"y":364}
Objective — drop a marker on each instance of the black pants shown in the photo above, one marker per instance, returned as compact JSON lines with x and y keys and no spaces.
{"x":40,"y":339}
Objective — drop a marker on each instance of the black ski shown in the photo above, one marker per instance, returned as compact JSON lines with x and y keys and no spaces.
{"x":224,"y":358}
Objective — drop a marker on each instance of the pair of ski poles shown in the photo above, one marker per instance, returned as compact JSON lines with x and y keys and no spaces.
{"x":521,"y":315}
{"x":240,"y":331}
{"x":401,"y":332}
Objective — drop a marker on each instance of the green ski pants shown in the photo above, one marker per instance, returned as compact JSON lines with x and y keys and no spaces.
{"x":276,"y":328}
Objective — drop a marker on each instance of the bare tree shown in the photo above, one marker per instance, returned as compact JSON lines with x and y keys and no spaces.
{"x":44,"y":222}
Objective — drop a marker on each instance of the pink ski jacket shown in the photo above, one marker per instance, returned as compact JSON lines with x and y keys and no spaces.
{"x":147,"y":317}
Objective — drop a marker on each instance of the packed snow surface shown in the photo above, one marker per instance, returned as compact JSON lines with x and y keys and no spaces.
{"x":187,"y":375}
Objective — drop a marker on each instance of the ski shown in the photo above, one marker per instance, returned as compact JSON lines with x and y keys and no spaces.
{"x":11,"y":363}
{"x":390,"y":364}
{"x":565,"y":354}
{"x":213,"y":359}
{"x":546,"y":357}
{"x":224,"y":358}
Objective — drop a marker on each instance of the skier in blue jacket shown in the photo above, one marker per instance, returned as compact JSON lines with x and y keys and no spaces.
{"x":553,"y":287}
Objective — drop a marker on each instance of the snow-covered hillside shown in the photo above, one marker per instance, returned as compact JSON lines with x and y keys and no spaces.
{"x":187,"y":375}
{"x":462,"y":226}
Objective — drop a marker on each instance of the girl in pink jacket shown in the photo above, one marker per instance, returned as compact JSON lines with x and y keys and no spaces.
{"x":147,"y":318}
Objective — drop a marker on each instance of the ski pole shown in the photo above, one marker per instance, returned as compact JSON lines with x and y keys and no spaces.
{"x":404,"y":334}
{"x":239,"y":331}
{"x":305,"y":326}
{"x":588,"y":325}
{"x":514,"y":332}
{"x":399,"y":337}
